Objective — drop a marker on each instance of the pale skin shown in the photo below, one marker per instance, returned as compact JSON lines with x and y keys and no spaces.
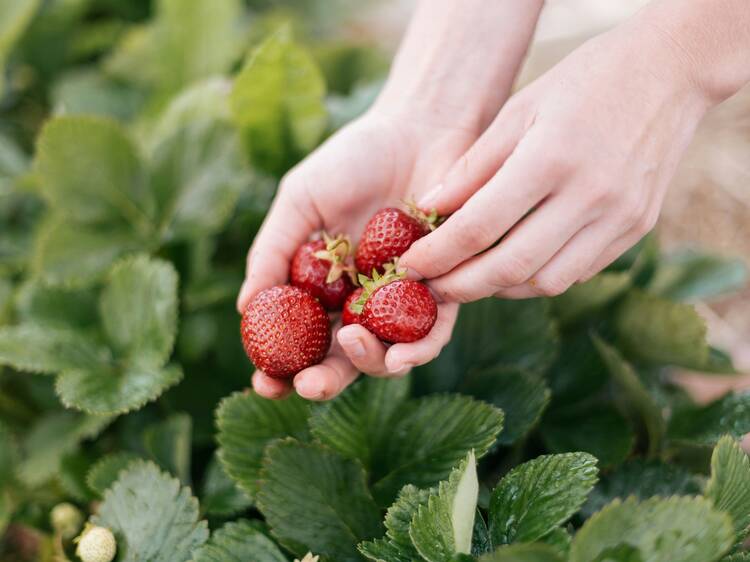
{"x":590,"y":147}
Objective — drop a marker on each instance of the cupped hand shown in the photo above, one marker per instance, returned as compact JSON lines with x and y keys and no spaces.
{"x":571,"y":173}
{"x":375,"y":162}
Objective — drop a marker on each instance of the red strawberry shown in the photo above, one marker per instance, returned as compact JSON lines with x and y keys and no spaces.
{"x":284,"y":330}
{"x":388,"y":234}
{"x":349,"y":316}
{"x":320,"y":267}
{"x":396,"y":309}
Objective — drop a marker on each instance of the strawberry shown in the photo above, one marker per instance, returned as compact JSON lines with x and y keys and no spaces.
{"x":284,"y":330}
{"x":388,"y":234}
{"x":349,"y":316}
{"x":320,"y":267}
{"x":395,"y":309}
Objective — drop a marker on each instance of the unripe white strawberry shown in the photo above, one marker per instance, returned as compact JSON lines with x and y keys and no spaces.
{"x":96,"y":544}
{"x":66,"y":520}
{"x":308,"y":558}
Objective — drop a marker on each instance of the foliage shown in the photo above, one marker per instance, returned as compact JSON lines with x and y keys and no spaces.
{"x":141,"y":144}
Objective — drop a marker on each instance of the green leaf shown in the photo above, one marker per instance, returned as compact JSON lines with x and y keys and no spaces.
{"x":741,"y":557}
{"x":359,"y":423}
{"x":90,"y":92}
{"x":729,"y":486}
{"x":115,"y":391}
{"x":56,"y":307}
{"x":639,"y":401}
{"x":585,"y":298}
{"x":15,"y":15}
{"x":522,"y":396}
{"x":90,"y":171}
{"x":657,"y":331}
{"x":691,"y":275}
{"x":247,"y":423}
{"x":705,"y":425}
{"x":579,"y":371}
{"x":139,"y":309}
{"x":539,"y":495}
{"x":72,"y":476}
{"x":107,"y":469}
{"x":308,"y":508}
{"x":444,"y":526}
{"x":430,"y":437}
{"x":48,"y":350}
{"x":679,"y":528}
{"x":642,"y":479}
{"x":239,"y":542}
{"x":523,"y":553}
{"x":52,"y":437}
{"x":151,"y":517}
{"x":169,"y":444}
{"x":278,"y":103}
{"x":8,"y":456}
{"x":598,"y":430}
{"x":221,"y":496}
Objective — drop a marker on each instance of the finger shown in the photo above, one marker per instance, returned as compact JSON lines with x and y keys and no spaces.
{"x":528,"y":247}
{"x":327,"y":379}
{"x":402,"y":357}
{"x":477,"y":166}
{"x":363,"y":349}
{"x":288,"y":224}
{"x":268,"y":387}
{"x":519,"y":185}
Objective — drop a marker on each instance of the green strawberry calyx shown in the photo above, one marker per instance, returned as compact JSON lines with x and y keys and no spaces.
{"x":369,"y":285}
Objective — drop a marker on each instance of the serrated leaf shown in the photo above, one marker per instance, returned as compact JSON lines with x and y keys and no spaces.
{"x":90,"y":171}
{"x":741,"y":557}
{"x":577,"y":372}
{"x":56,"y":307}
{"x":539,"y":495}
{"x":151,"y":517}
{"x":72,"y":476}
{"x":15,"y":15}
{"x":585,"y":298}
{"x":106,"y":470}
{"x":53,"y":436}
{"x":306,"y":506}
{"x":444,"y":526}
{"x":115,"y":391}
{"x":678,"y":528}
{"x":691,"y":275}
{"x":278,"y":103}
{"x":705,"y":425}
{"x":358,"y":423}
{"x":239,"y":542}
{"x":431,"y":436}
{"x":657,"y":331}
{"x":169,"y":444}
{"x":247,"y":423}
{"x":522,"y":396}
{"x":729,"y":486}
{"x":559,"y":539}
{"x":139,"y":309}
{"x":49,"y":350}
{"x":220,"y":495}
{"x":523,"y":553}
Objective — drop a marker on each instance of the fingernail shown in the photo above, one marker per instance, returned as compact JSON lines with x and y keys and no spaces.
{"x":242,"y":296}
{"x":413,"y":274}
{"x":311,"y":388}
{"x":354,"y":346}
{"x":427,"y":202}
{"x":396,"y":366}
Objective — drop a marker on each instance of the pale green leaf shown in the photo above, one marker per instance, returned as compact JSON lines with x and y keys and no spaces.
{"x":151,"y":516}
{"x":239,"y":542}
{"x":729,"y":486}
{"x":247,"y":423}
{"x":523,"y":553}
{"x":139,"y":309}
{"x":115,"y":391}
{"x":539,"y":495}
{"x":15,"y":15}
{"x":585,"y":298}
{"x":444,"y":526}
{"x":91,"y":92}
{"x":679,"y":528}
{"x":220,"y":495}
{"x":169,"y":444}
{"x":691,"y":275}
{"x":107,"y":469}
{"x":705,"y":425}
{"x":316,"y":500}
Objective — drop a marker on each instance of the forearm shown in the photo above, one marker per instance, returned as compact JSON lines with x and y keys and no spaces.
{"x":458,"y":60}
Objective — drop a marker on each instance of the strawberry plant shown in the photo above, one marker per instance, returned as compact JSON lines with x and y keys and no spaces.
{"x":140,"y":147}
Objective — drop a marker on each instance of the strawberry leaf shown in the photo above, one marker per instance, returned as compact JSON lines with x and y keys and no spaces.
{"x":56,"y":306}
{"x":729,"y":486}
{"x":220,"y":495}
{"x":523,"y":553}
{"x":705,"y":425}
{"x":585,"y":298}
{"x":691,"y":275}
{"x":239,"y":542}
{"x":151,"y":517}
{"x":106,"y":470}
{"x":169,"y":444}
{"x":14,"y":17}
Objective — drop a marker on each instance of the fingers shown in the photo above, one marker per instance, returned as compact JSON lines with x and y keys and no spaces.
{"x":327,"y":379}
{"x":364,"y":349}
{"x":268,"y":387}
{"x":402,"y":357}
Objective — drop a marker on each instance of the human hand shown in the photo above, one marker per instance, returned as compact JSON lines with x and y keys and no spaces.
{"x":571,"y":173}
{"x":375,"y":162}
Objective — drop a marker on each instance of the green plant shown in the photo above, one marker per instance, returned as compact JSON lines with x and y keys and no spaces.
{"x":137,"y":159}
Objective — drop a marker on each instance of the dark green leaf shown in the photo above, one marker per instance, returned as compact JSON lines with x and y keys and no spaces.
{"x":15,"y":15}
{"x":56,"y":307}
{"x":168,"y":442}
{"x":239,"y":542}
{"x":221,"y":496}
{"x":729,"y":486}
{"x":107,"y":470}
{"x":705,"y":425}
{"x":582,"y":299}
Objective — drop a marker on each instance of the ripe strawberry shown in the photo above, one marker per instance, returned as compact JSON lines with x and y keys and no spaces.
{"x":396,"y":309}
{"x":321,"y":268}
{"x":349,"y":316}
{"x":284,"y":330}
{"x":388,"y":234}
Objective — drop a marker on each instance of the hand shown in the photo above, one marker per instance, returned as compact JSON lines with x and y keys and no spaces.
{"x":373,"y":163}
{"x":571,"y":173}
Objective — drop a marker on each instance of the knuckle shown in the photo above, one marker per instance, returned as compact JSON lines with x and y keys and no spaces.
{"x":511,"y":271}
{"x":600,"y":195}
{"x":550,"y":286}
{"x":473,"y":235}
